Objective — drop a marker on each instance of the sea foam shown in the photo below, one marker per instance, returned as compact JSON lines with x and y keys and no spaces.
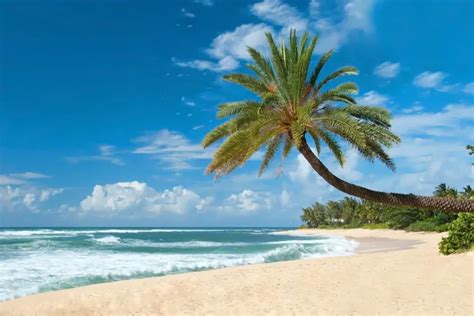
{"x":90,"y":256}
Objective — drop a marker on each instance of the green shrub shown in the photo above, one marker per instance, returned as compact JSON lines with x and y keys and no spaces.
{"x":351,"y":225}
{"x":461,"y":235}
{"x":427,"y":225}
{"x":376,"y":226}
{"x":402,"y":217}
{"x":326,"y":227}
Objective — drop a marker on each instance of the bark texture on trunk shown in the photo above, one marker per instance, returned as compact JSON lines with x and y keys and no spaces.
{"x":428,"y":202}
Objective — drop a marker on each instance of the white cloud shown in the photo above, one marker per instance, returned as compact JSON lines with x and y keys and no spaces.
{"x":356,"y":16}
{"x":29,"y":199}
{"x":234,"y":43}
{"x":171,"y":148}
{"x":413,"y":109}
{"x":228,"y":47}
{"x":6,"y":179}
{"x":188,"y":102}
{"x":453,"y":121}
{"x":187,"y":14}
{"x":285,"y":198}
{"x":387,"y":69}
{"x":279,"y":13}
{"x":107,"y":150}
{"x":372,"y":98}
{"x":106,"y":153}
{"x":314,"y":8}
{"x":46,"y":194}
{"x":134,"y":197}
{"x":469,"y":88}
{"x":246,"y":202}
{"x":207,"y":3}
{"x":20,"y":178}
{"x":334,"y":28}
{"x":428,"y":79}
{"x":432,"y":150}
{"x":225,"y":64}
{"x":25,"y":198}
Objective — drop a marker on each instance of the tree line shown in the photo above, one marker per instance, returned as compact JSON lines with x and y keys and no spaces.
{"x":352,"y":213}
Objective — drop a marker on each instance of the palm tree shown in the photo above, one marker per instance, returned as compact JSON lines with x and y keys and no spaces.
{"x":444,"y":190}
{"x":293,"y":103}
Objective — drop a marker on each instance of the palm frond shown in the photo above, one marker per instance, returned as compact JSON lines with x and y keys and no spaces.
{"x":332,"y":144}
{"x":317,"y":70}
{"x":272,"y":148}
{"x":343,"y":71}
{"x":249,"y":82}
{"x":232,"y":108}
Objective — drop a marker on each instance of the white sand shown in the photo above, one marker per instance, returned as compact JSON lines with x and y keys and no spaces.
{"x":394,"y":273}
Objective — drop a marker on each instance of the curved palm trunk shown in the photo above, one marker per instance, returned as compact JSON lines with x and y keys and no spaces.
{"x":430,"y":202}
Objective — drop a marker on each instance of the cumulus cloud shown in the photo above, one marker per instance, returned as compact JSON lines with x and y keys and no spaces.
{"x":235,"y":43}
{"x":7,"y":179}
{"x":228,"y":47}
{"x":279,"y":13}
{"x":137,"y":199}
{"x":453,"y":121}
{"x":171,"y":148}
{"x":334,"y":28}
{"x":25,"y":198}
{"x":355,"y":16}
{"x":372,"y":98}
{"x":130,"y":198}
{"x":246,"y":202}
{"x":387,"y":70}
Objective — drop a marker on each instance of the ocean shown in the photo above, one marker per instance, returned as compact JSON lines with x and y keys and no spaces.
{"x":34,"y":260}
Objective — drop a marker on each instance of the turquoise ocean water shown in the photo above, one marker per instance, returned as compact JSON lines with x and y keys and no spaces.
{"x":35,"y":260}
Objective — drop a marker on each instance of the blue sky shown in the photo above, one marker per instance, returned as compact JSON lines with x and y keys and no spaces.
{"x":103,"y":105}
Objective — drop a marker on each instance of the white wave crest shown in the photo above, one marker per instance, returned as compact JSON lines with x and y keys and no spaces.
{"x":107,"y":240}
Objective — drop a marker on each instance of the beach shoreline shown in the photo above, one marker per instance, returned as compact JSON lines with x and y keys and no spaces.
{"x":393,"y":272}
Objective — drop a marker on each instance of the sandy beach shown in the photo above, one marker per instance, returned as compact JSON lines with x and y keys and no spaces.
{"x":393,"y":272}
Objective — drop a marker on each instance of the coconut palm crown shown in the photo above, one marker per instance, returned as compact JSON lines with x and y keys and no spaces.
{"x":294,"y":102}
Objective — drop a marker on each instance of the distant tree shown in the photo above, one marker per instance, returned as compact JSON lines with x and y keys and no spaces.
{"x":349,"y":210}
{"x":372,"y":212}
{"x":315,"y":215}
{"x":468,"y":192}
{"x":471,"y":149}
{"x":444,"y":190}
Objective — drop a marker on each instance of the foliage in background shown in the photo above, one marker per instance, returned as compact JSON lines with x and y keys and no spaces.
{"x":353,"y":213}
{"x":461,"y":235}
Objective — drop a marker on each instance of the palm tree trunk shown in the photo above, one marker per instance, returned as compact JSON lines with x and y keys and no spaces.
{"x":428,"y":202}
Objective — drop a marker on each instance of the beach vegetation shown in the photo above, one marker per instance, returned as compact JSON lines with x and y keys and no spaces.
{"x":295,"y":101}
{"x":354,"y":213}
{"x":461,"y":235}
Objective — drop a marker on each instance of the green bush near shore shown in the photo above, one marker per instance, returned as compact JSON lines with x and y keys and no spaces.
{"x":427,"y":225}
{"x":375,"y":226}
{"x":353,"y":213}
{"x":461,"y":235}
